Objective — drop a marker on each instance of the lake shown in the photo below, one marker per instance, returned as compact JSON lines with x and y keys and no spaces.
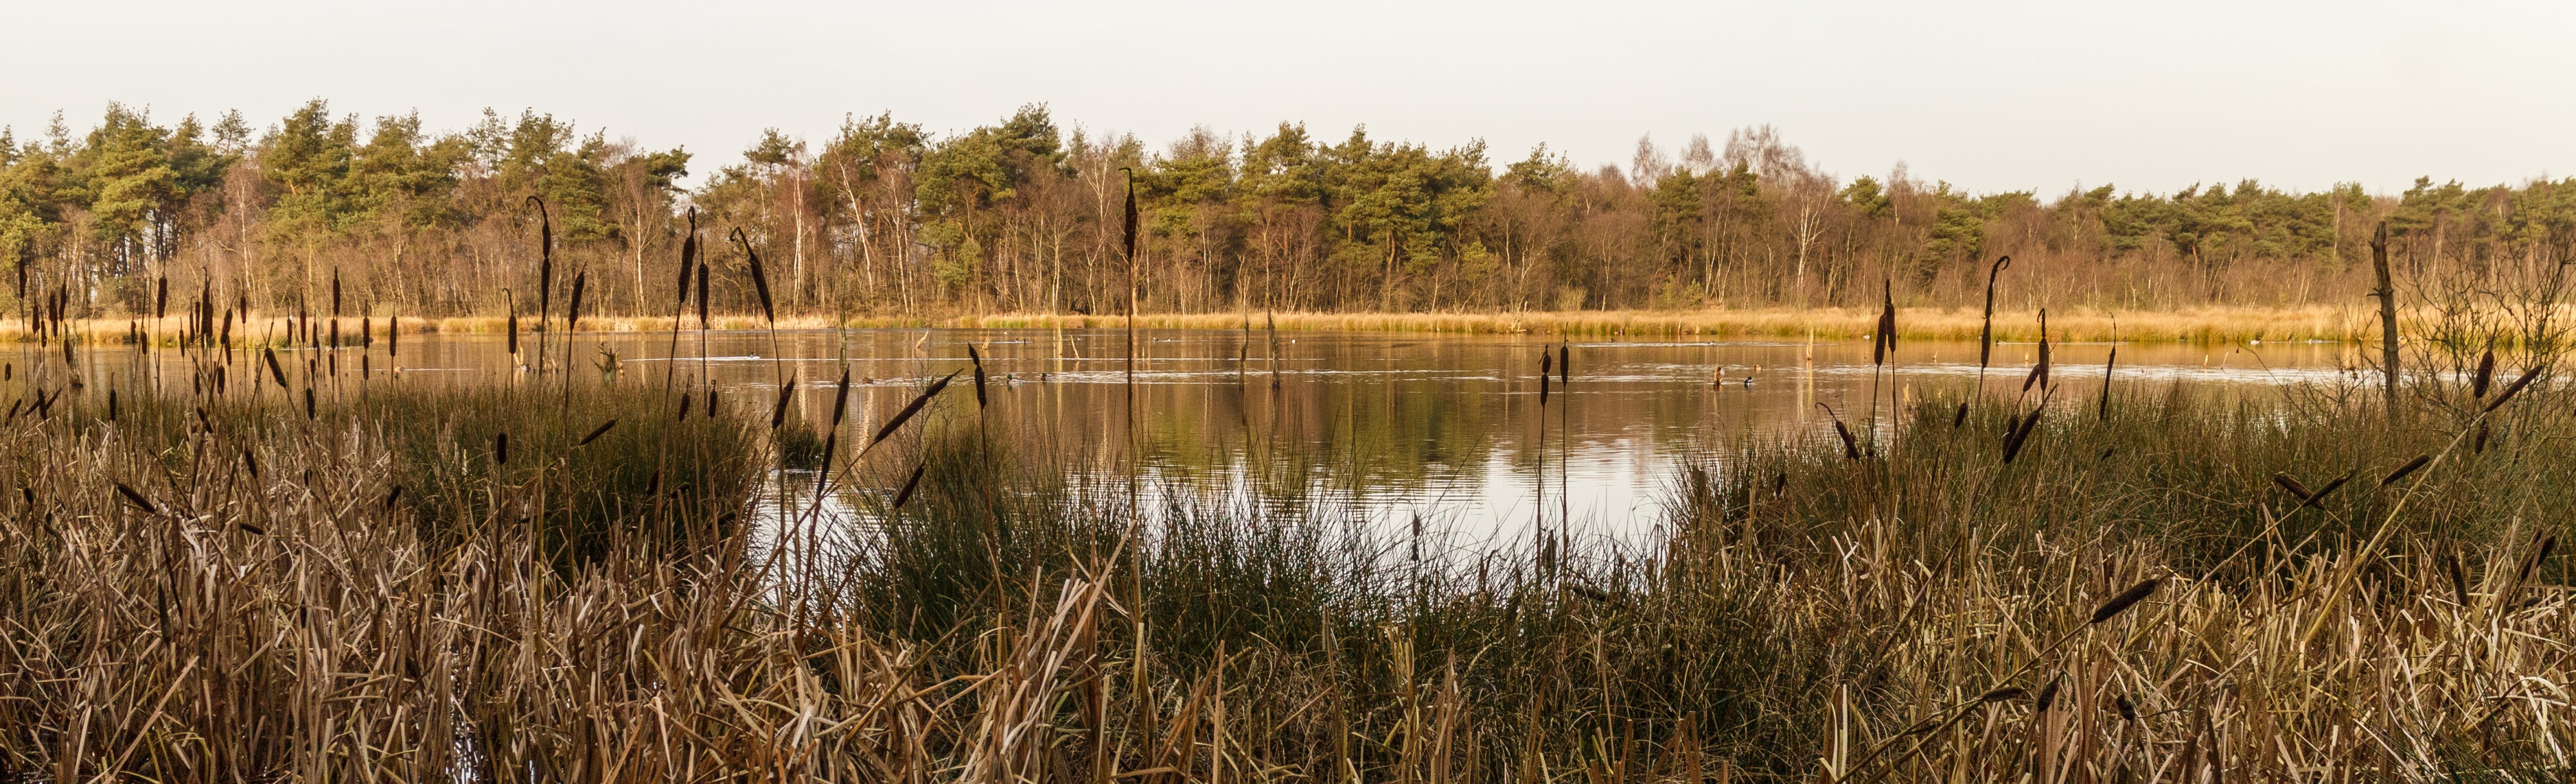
{"x":1382,"y":427}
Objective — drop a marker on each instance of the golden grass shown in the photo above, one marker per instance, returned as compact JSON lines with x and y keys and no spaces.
{"x":218,"y":625}
{"x":2197,"y":325}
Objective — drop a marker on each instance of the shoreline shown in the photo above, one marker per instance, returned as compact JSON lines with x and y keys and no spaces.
{"x":2207,"y":326}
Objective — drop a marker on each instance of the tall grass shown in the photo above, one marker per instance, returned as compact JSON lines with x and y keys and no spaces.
{"x":1927,"y":611}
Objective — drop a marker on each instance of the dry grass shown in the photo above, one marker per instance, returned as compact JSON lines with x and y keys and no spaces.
{"x":168,"y":614}
{"x":2198,"y":325}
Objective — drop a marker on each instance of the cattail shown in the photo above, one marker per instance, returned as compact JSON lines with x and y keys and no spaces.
{"x":545,"y":258}
{"x":2320,"y":496}
{"x":161,"y":299}
{"x":909,"y":409}
{"x":1546,"y":365}
{"x":2479,"y":445}
{"x":111,"y":405}
{"x":2409,"y":468}
{"x":2002,"y":694}
{"x":2121,"y":603}
{"x":909,"y":484}
{"x":2104,"y":412}
{"x":1128,"y":245}
{"x":2486,"y":373}
{"x":2293,"y":486}
{"x":274,"y":370}
{"x":250,"y":463}
{"x":1851,"y":447}
{"x":759,"y":276}
{"x":841,"y":400}
{"x":978,"y":358}
{"x":711,"y":401}
{"x":2039,"y":372}
{"x":2459,"y":577}
{"x":393,"y":497}
{"x":778,"y":413}
{"x":393,"y":335}
{"x":832,"y":436}
{"x":228,"y":326}
{"x":501,"y":448}
{"x":2515,"y":388}
{"x":702,"y":298}
{"x":513,"y":326}
{"x":137,"y":499}
{"x":366,"y":332}
{"x":2020,"y":433}
{"x":684,"y":405}
{"x":1564,"y":365}
{"x":309,"y":413}
{"x":2047,"y":697}
{"x":2547,"y":543}
{"x":595,"y":433}
{"x":688,"y":257}
{"x":1961,"y":418}
{"x":572,"y":318}
{"x":2128,"y":710}
{"x":335,"y":292}
{"x":1883,"y":341}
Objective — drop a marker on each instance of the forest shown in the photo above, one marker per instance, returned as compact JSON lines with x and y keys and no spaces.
{"x":1023,"y":216}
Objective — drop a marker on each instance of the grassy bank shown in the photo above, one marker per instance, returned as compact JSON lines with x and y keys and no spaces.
{"x":2204,"y":325}
{"x":2199,"y":325}
{"x":2133,"y":595}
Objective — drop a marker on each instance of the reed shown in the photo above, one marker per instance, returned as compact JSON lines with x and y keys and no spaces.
{"x":376,"y":593}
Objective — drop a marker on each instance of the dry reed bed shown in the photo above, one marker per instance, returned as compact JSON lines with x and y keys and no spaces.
{"x":1814,"y":618}
{"x":2196,"y":325}
{"x":2207,"y":325}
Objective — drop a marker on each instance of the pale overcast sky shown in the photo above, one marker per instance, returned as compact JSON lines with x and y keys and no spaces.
{"x":1988,"y":95}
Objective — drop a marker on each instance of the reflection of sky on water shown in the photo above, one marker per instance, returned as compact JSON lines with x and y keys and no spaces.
{"x":1380,"y":426}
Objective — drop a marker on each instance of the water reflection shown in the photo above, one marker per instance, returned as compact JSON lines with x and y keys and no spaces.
{"x":1382,"y":426}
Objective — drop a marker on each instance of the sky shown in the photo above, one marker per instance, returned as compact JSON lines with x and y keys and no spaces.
{"x":1988,"y":96}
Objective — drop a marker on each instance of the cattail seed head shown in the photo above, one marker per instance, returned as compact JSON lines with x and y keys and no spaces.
{"x":759,"y":276}
{"x":2403,"y":471}
{"x":778,"y":413}
{"x":909,"y":484}
{"x":2293,"y":486}
{"x":2486,"y":373}
{"x":136,"y":498}
{"x":2121,"y":603}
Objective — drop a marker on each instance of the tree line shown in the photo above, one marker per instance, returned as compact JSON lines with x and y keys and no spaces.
{"x":887,"y":218}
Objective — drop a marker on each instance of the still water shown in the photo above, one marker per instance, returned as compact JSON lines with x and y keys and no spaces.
{"x":1385,"y":428}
